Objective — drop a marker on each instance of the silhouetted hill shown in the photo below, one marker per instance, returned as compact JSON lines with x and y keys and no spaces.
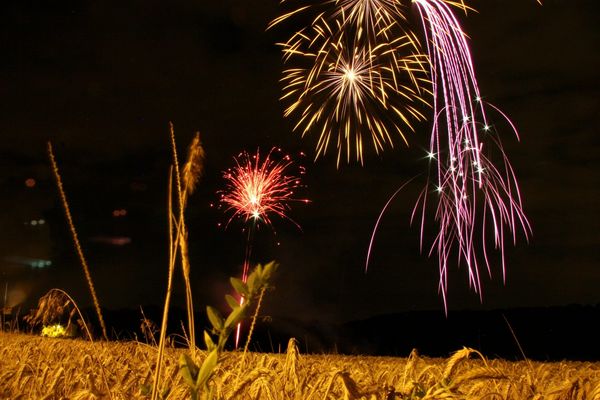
{"x":546,"y":334}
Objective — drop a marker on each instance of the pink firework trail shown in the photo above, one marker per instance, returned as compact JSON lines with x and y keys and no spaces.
{"x":256,"y":189}
{"x":474,"y":196}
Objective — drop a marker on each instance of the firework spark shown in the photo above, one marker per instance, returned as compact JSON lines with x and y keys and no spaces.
{"x":375,"y":17}
{"x":371,"y":16}
{"x":256,"y":189}
{"x":363,"y":79}
{"x":474,"y":195}
{"x":352,"y":93}
{"x":359,"y":79}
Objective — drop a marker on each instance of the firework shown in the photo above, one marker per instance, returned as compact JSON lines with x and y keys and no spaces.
{"x":358,"y":80}
{"x":352,"y":93}
{"x":258,"y":188}
{"x":376,"y":18}
{"x":361,"y":86}
{"x":474,"y":194}
{"x":369,"y":15}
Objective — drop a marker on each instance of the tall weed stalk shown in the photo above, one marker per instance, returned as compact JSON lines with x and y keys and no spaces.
{"x":84,"y":264}
{"x":185,"y":186}
{"x":192,"y":172}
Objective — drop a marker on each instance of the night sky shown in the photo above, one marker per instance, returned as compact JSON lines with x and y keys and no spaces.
{"x":102,"y":80}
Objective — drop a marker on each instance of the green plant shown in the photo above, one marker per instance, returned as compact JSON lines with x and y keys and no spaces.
{"x":198,"y":378}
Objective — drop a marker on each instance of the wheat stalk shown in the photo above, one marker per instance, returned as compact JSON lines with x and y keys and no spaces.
{"x":163,"y":326}
{"x":191,"y":174}
{"x":84,"y":264}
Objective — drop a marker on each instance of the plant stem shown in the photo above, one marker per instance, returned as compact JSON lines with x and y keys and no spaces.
{"x":86,"y":270}
{"x":258,"y":304}
{"x":182,"y":239}
{"x":172,"y":258}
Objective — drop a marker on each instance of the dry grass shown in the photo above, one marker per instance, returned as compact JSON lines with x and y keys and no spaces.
{"x":33,"y":367}
{"x":84,"y":264}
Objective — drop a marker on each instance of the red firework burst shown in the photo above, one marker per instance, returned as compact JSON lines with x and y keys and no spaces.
{"x":256,"y":188}
{"x":259,"y":187}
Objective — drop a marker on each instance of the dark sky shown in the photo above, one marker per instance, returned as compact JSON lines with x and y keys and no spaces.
{"x":102,"y":79}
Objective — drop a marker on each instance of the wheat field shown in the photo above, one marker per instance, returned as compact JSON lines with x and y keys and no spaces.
{"x":34,"y":367}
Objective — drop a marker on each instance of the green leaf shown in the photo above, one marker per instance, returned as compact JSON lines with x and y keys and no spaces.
{"x":239,"y":286}
{"x":236,"y":316}
{"x":252,"y":280}
{"x":145,"y":389}
{"x":231,"y":301}
{"x":208,"y":341}
{"x":188,"y":370}
{"x":215,"y":318}
{"x":269,"y":270}
{"x":207,"y":368}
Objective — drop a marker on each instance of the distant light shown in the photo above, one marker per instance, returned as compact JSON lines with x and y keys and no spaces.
{"x":120,"y":241}
{"x":138,"y":186}
{"x":29,"y":262}
{"x":430,"y":155}
{"x":112,"y":240}
{"x":35,"y":222}
{"x":30,"y":182}
{"x":119,"y":213}
{"x":40,"y":263}
{"x":54,"y":331}
{"x":486,"y":128}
